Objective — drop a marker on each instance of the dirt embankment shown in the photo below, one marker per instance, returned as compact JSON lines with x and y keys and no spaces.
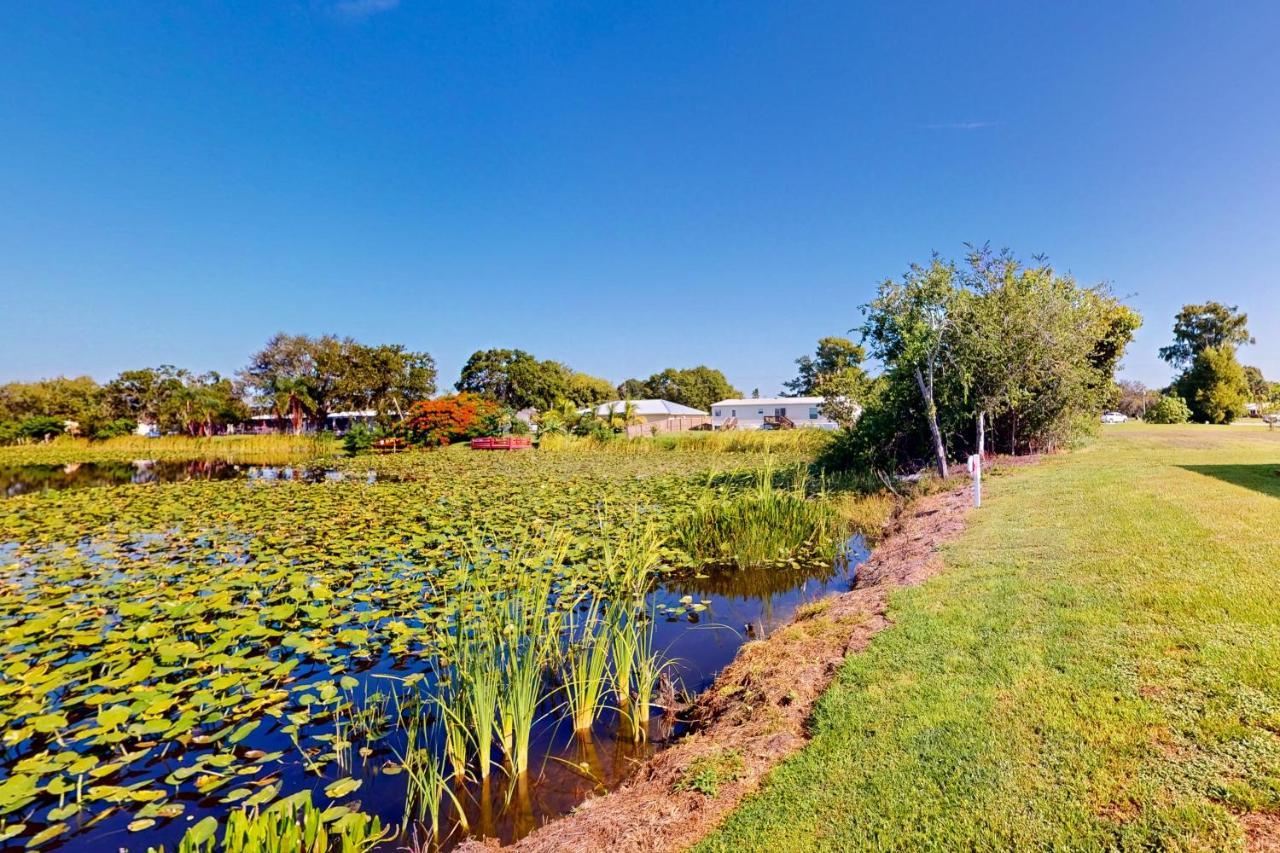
{"x":755,"y":714}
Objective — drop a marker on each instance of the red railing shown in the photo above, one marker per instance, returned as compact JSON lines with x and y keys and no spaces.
{"x":506,"y":442}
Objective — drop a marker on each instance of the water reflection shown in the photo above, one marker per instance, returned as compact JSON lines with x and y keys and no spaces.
{"x":25,"y":479}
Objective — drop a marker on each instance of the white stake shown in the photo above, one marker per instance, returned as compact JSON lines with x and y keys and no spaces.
{"x":975,"y":471}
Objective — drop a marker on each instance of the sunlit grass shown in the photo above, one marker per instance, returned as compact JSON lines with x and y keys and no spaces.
{"x":1097,"y":668}
{"x":250,"y":449}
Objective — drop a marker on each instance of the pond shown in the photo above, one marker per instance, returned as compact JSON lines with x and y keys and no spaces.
{"x":179,"y":652}
{"x":26,"y":479}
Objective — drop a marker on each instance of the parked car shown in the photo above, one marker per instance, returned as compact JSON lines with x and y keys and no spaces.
{"x":1114,"y":418}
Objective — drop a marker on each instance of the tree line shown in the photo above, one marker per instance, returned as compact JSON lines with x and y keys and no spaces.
{"x":300,"y":380}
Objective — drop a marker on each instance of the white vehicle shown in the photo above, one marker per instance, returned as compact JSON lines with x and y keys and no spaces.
{"x":1114,"y":418}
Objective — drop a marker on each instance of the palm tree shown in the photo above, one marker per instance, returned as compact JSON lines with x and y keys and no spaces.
{"x":292,"y":399}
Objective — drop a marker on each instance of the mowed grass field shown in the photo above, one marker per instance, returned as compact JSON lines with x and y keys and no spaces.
{"x":1097,"y":668}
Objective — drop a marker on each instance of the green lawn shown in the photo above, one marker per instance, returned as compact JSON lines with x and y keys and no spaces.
{"x":1097,"y":668}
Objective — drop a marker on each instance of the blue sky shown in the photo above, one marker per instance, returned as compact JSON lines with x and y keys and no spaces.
{"x":623,"y":186}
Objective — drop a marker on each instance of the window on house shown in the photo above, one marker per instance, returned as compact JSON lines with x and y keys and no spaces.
{"x":718,"y":413}
{"x":813,"y":413}
{"x":733,"y":413}
{"x":759,"y":411}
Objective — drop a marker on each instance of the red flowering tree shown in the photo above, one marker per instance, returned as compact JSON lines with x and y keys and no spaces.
{"x":436,"y":423}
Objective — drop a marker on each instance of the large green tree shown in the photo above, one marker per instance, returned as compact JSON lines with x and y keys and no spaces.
{"x":698,"y":387}
{"x":518,"y":380}
{"x":1198,"y":327}
{"x":326,"y":374}
{"x":1215,"y":386}
{"x":834,"y":373}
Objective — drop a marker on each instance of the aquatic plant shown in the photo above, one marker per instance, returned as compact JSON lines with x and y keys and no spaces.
{"x":291,"y":825}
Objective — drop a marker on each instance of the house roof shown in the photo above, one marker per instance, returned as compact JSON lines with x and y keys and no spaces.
{"x":773,"y":401}
{"x":646,"y":408}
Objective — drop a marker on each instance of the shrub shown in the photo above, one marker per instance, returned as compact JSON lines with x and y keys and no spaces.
{"x":114,"y":428}
{"x":439,"y":422}
{"x":1168,"y":410}
{"x":40,"y":427}
{"x":360,"y":438}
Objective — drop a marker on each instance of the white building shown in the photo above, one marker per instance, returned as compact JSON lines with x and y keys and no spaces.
{"x":773,"y":412}
{"x":654,"y":416}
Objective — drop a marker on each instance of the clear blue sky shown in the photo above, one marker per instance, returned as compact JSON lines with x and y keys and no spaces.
{"x":621,"y":186}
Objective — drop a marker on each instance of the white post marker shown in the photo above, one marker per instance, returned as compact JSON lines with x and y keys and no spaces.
{"x":975,"y":471}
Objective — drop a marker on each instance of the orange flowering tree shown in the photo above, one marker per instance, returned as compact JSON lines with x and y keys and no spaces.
{"x":436,"y":423}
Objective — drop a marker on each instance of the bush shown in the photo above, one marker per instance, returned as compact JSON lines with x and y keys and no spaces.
{"x":114,"y":428}
{"x":1168,"y":410}
{"x":40,"y":428}
{"x":360,"y":438}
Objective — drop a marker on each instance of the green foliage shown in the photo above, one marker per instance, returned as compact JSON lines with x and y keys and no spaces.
{"x":708,"y":773}
{"x":834,"y":373}
{"x":1215,"y":386}
{"x":360,"y":438}
{"x":1029,"y":350}
{"x":698,"y":387}
{"x":761,"y":526}
{"x":114,"y":428}
{"x":1169,"y":409}
{"x":292,"y":825}
{"x":518,"y":381}
{"x":1199,"y":327}
{"x":40,"y":428}
{"x":299,"y":376}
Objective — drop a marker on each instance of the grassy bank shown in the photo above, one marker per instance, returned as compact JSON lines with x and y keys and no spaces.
{"x":1097,"y":668}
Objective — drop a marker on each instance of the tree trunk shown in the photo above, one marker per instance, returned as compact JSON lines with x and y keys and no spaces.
{"x":931,"y":411}
{"x":982,"y":435}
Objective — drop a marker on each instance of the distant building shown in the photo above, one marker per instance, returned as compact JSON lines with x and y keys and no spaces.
{"x":340,"y":422}
{"x":771,"y":413}
{"x":654,"y":416}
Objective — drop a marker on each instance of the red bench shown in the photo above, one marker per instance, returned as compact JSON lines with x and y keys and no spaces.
{"x":506,"y":442}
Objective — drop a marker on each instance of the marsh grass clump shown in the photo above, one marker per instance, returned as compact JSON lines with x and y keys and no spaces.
{"x":763,"y":525}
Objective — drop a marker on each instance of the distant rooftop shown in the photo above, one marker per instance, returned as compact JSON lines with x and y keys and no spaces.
{"x":646,"y":408}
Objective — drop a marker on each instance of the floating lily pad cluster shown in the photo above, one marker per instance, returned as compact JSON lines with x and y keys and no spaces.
{"x":158,"y":642}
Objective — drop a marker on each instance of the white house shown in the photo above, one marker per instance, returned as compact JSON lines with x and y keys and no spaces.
{"x":653,"y":416}
{"x":773,"y":412}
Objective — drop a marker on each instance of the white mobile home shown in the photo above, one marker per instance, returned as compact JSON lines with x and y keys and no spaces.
{"x":653,"y":416}
{"x":770,"y":413}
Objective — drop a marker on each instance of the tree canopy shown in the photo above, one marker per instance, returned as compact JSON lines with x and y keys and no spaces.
{"x":1198,"y":327}
{"x":698,"y":387}
{"x":518,"y":380}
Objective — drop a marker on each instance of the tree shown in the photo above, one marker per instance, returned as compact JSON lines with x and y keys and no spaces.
{"x":1259,"y":387}
{"x":291,"y":398}
{"x":1199,"y":327}
{"x":387,"y":378}
{"x":633,"y":389}
{"x":698,"y":387}
{"x":141,"y":394}
{"x":439,"y":422}
{"x":1215,"y":386}
{"x":1133,"y":398}
{"x":909,"y":326}
{"x":326,"y":373}
{"x":586,"y":390}
{"x":834,"y":356}
{"x":202,"y":404}
{"x":76,"y":399}
{"x":515,"y":378}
